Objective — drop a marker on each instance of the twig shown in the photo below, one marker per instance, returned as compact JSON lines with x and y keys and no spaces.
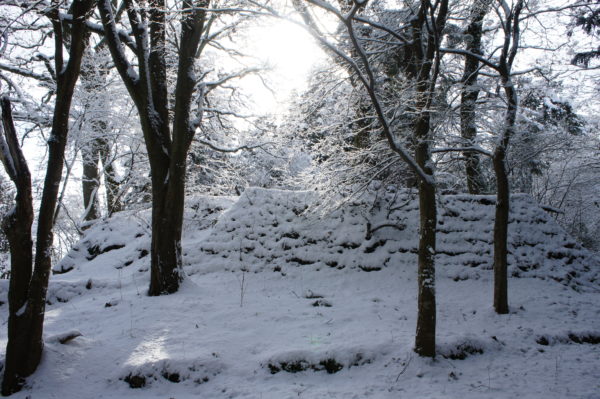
{"x":404,"y":368}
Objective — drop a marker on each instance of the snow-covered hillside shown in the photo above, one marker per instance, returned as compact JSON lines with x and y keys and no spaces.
{"x":272,"y":230}
{"x":284,"y":303}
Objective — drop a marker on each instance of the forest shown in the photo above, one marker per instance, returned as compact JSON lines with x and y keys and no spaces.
{"x":300,"y":198}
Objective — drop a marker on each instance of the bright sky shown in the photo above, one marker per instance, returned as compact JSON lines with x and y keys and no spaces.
{"x":290,"y":52}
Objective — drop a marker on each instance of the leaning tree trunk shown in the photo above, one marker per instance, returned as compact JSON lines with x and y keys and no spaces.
{"x":31,"y":340}
{"x":17,"y":226}
{"x":25,"y":338}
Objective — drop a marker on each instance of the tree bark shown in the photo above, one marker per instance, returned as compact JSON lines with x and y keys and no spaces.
{"x":17,"y":227}
{"x":426,"y":317}
{"x":501,"y":233}
{"x":503,"y":201}
{"x":111,"y":183}
{"x":90,"y":181}
{"x":427,"y":58}
{"x":92,"y":153}
{"x":167,"y":221}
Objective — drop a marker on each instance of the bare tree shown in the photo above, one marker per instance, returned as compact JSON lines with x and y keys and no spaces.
{"x":510,"y":47}
{"x":96,"y":147}
{"x":509,"y":17}
{"x":17,"y":226}
{"x":421,"y":41}
{"x":168,"y":130}
{"x":28,"y":286}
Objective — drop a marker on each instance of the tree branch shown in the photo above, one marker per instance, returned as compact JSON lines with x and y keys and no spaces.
{"x":27,"y":73}
{"x":232,"y":150}
{"x":462,"y":149}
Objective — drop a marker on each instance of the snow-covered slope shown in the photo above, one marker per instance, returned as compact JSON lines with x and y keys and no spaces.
{"x":270,"y":229}
{"x":283,"y":303}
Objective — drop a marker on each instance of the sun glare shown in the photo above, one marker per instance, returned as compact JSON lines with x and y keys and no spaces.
{"x":290,"y":53}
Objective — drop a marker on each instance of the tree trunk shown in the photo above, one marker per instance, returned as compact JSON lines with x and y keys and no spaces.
{"x":428,"y":59}
{"x":92,"y":153}
{"x":111,"y":183}
{"x":90,"y":181}
{"x":362,"y":126}
{"x":165,"y":252}
{"x":469,"y":95}
{"x":25,"y":338}
{"x":167,"y":221}
{"x":167,"y":152}
{"x":426,"y":319}
{"x":168,"y":204}
{"x":17,"y":226}
{"x":36,"y":306}
{"x":501,"y":233}
{"x":96,"y":147}
{"x":503,"y":199}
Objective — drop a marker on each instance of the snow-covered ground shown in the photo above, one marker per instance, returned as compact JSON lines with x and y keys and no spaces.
{"x":280,"y":303}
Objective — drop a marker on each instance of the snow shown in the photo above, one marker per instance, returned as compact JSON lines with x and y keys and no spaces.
{"x":21,"y":310}
{"x":6,"y":156}
{"x":266,"y":313}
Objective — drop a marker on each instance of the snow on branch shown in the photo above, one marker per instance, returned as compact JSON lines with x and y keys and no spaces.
{"x":114,"y":41}
{"x":219,"y":111}
{"x":369,"y":83}
{"x":26,"y":73}
{"x":469,"y":54}
{"x":233,"y":150}
{"x":10,"y":151}
{"x":462,"y":149}
{"x":5,"y":155}
{"x":224,"y":79}
{"x":123,"y":35}
{"x":384,"y":28}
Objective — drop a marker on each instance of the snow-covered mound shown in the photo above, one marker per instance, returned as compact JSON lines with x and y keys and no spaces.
{"x":124,"y":240}
{"x":281,"y":303}
{"x":275,"y":230}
